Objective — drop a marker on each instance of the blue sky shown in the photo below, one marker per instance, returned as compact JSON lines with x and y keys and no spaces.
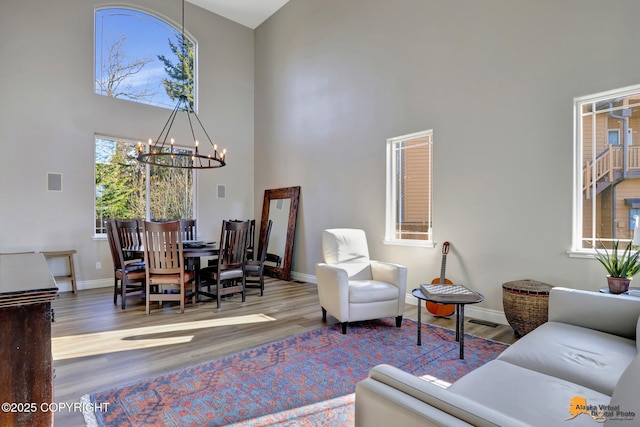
{"x":146,"y":37}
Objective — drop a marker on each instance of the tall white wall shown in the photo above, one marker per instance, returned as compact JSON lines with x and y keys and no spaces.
{"x":49,"y":115}
{"x":494,"y":79}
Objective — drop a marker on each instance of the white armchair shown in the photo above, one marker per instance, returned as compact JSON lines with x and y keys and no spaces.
{"x":351,"y":287}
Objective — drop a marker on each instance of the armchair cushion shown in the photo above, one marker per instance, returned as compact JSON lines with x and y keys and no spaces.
{"x":371,"y":290}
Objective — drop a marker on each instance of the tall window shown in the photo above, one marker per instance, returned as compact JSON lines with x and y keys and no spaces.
{"x":409,"y":195}
{"x":607,"y":165}
{"x":127,"y":189}
{"x":142,"y":58}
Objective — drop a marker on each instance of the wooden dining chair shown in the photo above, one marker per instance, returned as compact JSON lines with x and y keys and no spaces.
{"x":188,"y":227}
{"x":130,"y":234}
{"x":165,"y":266}
{"x":130,"y":275}
{"x":251,"y":240}
{"x":254,"y":269}
{"x":227,"y":274}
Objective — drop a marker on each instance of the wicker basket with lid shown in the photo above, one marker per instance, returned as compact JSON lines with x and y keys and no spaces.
{"x":526,"y":304}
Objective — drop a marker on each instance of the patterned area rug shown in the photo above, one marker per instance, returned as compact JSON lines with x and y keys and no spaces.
{"x":304,"y":380}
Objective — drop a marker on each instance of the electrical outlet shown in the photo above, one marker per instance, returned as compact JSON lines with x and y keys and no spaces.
{"x":98,"y":265}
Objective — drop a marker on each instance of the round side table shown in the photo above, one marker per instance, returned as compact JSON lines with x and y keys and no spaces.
{"x":526,"y":304}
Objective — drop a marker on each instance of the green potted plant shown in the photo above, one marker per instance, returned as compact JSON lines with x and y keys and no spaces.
{"x":621,"y":267}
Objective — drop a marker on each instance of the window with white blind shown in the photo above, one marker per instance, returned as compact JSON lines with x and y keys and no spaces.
{"x":409,"y":189}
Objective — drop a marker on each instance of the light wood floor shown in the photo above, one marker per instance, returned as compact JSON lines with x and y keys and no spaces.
{"x":97,"y":346}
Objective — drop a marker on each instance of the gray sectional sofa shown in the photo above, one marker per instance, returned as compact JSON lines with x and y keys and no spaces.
{"x":581,"y":368}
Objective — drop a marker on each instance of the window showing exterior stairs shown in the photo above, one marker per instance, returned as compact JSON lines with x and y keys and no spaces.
{"x":609,"y":169}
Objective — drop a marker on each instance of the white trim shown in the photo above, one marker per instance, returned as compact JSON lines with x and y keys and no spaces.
{"x":584,"y":253}
{"x":411,"y":243}
{"x":64,"y":285}
{"x":480,"y":313}
{"x":578,"y":202}
{"x":303,"y":277}
{"x":391,"y":190}
{"x":601,"y":96}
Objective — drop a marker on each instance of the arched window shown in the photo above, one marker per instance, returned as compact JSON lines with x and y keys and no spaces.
{"x":142,"y":58}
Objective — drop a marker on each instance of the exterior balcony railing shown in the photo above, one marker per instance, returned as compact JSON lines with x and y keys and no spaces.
{"x":609,"y":164}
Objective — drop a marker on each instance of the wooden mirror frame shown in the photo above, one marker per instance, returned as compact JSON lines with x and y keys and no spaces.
{"x":284,"y":271}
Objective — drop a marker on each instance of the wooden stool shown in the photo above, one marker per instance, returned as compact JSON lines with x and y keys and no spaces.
{"x":72,"y":271}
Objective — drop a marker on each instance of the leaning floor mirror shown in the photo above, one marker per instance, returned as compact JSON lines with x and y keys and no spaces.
{"x":280,"y":205}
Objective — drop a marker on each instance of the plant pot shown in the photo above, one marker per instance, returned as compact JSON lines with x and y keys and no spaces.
{"x":618,"y":285}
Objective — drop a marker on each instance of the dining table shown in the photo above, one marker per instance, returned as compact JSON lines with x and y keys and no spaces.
{"x":192,"y":251}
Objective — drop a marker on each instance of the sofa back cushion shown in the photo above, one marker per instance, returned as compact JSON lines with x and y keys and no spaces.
{"x":613,"y":314}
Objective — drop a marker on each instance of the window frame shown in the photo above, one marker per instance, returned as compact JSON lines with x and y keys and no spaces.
{"x":578,"y":151}
{"x":171,"y":26}
{"x":147,"y":170}
{"x":392,"y":191}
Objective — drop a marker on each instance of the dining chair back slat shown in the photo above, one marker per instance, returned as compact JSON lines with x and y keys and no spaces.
{"x":251,"y":240}
{"x":188,"y":227}
{"x":129,"y":232}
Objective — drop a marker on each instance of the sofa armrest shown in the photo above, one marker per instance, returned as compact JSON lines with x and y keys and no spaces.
{"x":391,"y":396}
{"x":613,"y":314}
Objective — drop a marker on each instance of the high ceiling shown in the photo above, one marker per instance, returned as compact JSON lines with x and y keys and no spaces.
{"x":249,"y":13}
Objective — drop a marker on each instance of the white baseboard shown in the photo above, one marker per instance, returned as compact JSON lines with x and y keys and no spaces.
{"x":304,"y":277}
{"x":480,"y":313}
{"x":65,"y":285}
{"x":470,"y":310}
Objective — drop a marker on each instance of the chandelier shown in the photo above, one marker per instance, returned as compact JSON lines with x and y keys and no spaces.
{"x":163,"y":151}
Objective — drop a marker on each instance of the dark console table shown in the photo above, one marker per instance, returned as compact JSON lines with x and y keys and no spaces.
{"x":26,"y":372}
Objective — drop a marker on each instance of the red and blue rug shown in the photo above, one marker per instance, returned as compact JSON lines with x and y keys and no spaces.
{"x":303,"y":380}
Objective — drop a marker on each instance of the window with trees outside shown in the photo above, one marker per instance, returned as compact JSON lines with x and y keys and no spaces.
{"x":127,"y":189}
{"x":607,"y":165}
{"x":409,"y":189}
{"x":141,"y":58}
